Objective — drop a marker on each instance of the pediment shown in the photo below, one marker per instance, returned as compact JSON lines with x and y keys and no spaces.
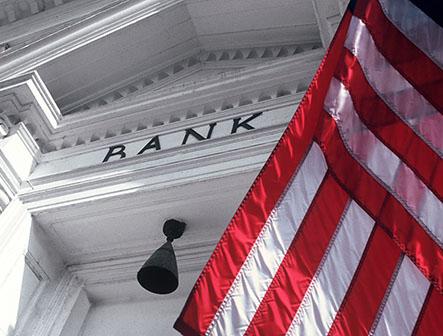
{"x":196,"y":70}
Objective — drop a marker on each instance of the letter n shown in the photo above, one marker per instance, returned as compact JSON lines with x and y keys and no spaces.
{"x":198,"y":136}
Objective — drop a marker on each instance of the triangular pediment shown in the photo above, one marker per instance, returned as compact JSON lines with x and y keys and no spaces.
{"x":196,"y":70}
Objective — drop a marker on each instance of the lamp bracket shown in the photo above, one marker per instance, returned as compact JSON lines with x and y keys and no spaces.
{"x":173,"y":229}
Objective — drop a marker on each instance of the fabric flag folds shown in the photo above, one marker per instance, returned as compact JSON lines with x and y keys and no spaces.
{"x":342,"y":231}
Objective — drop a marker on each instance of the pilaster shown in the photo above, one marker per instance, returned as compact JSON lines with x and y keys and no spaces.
{"x":36,"y":298}
{"x":63,"y":303}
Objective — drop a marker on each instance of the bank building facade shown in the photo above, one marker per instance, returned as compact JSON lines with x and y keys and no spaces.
{"x":116,"y":116}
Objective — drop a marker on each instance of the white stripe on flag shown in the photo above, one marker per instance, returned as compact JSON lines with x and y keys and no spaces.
{"x":265,"y":257}
{"x":402,"y":98}
{"x":331,"y":282}
{"x":404,"y":302}
{"x":416,"y":26}
{"x":379,"y":160}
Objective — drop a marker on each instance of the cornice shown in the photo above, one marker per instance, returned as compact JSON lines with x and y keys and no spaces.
{"x":18,"y":17}
{"x":14,"y":11}
{"x":187,"y":101}
{"x":226,"y":59}
{"x":267,"y":75}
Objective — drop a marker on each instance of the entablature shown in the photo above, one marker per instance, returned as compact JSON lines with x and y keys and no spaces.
{"x":26,"y":99}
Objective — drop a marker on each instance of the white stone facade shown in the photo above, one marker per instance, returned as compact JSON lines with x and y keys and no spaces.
{"x":117,"y":115}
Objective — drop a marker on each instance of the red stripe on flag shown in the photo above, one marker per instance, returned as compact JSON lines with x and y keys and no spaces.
{"x":367,"y":290}
{"x":278,"y":307}
{"x":223,"y":266}
{"x":430,"y":321}
{"x":387,"y":126}
{"x":377,"y":202}
{"x":413,"y":240}
{"x":427,"y":78}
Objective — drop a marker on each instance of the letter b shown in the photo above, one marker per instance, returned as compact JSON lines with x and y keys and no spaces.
{"x":115,"y":150}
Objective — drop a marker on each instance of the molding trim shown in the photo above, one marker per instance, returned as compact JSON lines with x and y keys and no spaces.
{"x":41,"y":16}
{"x":20,"y":60}
{"x":221,"y":59}
{"x":26,"y":99}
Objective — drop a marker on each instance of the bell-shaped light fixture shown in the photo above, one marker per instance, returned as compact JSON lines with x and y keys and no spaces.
{"x":159,"y":274}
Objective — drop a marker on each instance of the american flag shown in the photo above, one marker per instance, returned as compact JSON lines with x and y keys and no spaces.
{"x":342,"y":231}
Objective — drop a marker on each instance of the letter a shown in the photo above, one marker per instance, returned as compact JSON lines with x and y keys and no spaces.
{"x":153,"y":143}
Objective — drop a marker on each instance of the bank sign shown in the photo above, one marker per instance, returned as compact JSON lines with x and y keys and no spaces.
{"x":182,"y":137}
{"x":143,"y":144}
